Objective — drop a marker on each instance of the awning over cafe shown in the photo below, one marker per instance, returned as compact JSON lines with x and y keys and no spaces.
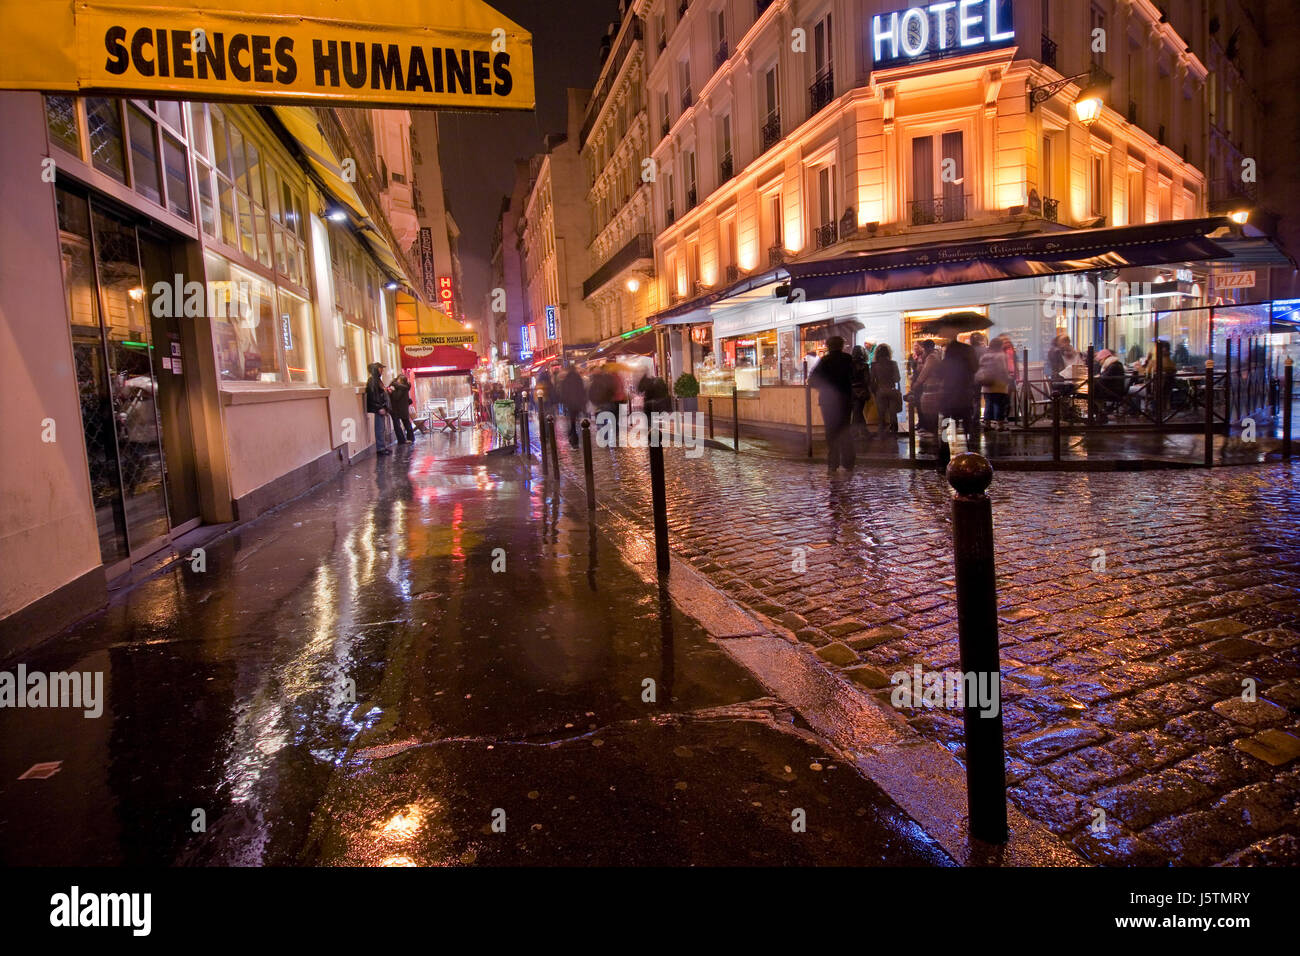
{"x":1011,"y":257}
{"x":639,"y":342}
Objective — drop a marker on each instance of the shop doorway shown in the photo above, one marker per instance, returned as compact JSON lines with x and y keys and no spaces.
{"x":134,"y":421}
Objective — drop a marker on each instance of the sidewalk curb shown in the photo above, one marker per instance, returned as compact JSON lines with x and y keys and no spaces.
{"x":920,"y":776}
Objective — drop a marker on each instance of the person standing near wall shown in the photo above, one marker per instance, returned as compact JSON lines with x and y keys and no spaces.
{"x":377,"y":404}
{"x":399,"y":398}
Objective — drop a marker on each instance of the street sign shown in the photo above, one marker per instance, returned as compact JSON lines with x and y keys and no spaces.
{"x":550,"y":322}
{"x":426,"y":263}
{"x":1235,"y":280}
{"x":420,"y":53}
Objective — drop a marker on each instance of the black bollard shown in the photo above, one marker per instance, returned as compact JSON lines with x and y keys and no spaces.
{"x":541,"y":443}
{"x":1028,"y":391}
{"x":977,"y":637}
{"x":710,"y":419}
{"x":1286,"y":410}
{"x":1209,"y":413}
{"x":911,"y":431}
{"x":1056,"y":426}
{"x":555,"y":450}
{"x":659,"y":503}
{"x":807,"y":414}
{"x":1090,"y":385}
{"x":586,"y":465}
{"x":735,"y":420}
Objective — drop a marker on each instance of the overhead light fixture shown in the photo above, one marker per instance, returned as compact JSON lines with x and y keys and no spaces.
{"x":336,"y":214}
{"x":392,"y":285}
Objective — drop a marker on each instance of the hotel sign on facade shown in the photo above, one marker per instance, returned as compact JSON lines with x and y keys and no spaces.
{"x":937,"y":30}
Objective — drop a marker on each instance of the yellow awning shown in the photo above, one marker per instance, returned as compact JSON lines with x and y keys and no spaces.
{"x":423,"y":325}
{"x":418,"y":53}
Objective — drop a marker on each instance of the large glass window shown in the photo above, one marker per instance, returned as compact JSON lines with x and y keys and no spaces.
{"x":104,"y":125}
{"x":296,"y":338}
{"x":244,"y":325}
{"x":145,"y":173}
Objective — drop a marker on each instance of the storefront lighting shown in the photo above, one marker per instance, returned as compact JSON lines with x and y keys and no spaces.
{"x":336,"y":215}
{"x":1240,"y":216}
{"x":392,"y":285}
{"x":633,"y":284}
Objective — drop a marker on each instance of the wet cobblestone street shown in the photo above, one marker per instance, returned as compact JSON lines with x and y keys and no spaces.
{"x":1137,"y":612}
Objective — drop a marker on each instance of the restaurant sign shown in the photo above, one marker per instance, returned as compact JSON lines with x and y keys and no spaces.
{"x":421,"y":53}
{"x":948,"y":28}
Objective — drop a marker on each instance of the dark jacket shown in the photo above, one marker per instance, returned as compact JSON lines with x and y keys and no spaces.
{"x":833,"y":379}
{"x":399,"y":399}
{"x":376,"y":395}
{"x":861,"y":380}
{"x":573,"y":393}
{"x":957,"y":371}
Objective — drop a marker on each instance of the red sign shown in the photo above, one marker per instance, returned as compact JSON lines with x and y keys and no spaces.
{"x":445,"y":295}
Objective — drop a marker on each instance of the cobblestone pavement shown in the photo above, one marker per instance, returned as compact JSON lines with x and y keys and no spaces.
{"x":1123,"y":688}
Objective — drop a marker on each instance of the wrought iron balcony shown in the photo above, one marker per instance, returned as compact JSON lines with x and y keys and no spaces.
{"x":670,"y":216}
{"x":725,"y":169}
{"x":925,"y":212}
{"x":720,"y":54}
{"x":1049,"y":51}
{"x":1232,"y":188}
{"x":639,"y":247}
{"x":827,"y":234}
{"x":1132,"y":116}
{"x":691,"y":198}
{"x":733,"y":274}
{"x":771,"y":132}
{"x":665,"y":127}
{"x":687,"y":99}
{"x":775,"y":254}
{"x":1051,"y":209}
{"x":821,"y":92}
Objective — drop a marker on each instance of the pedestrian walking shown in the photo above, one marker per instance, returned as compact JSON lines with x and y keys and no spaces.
{"x":377,"y":404}
{"x":861,"y":390}
{"x":884,"y":379}
{"x":926,"y":391}
{"x":833,"y":379}
{"x":994,"y":380}
{"x":573,"y":393}
{"x":957,"y":372}
{"x":399,"y":401}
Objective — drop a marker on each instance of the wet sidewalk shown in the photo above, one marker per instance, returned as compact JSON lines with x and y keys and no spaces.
{"x":428,"y":660}
{"x":1149,"y":626}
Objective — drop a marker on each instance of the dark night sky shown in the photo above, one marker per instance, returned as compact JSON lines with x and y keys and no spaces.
{"x":479,"y":149}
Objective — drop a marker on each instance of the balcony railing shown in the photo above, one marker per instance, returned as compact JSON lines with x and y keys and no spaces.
{"x":640,"y":246}
{"x":725,"y":169}
{"x":1132,"y":115}
{"x":771,"y":132}
{"x":775,"y":254}
{"x":720,"y":55}
{"x":691,"y":199}
{"x":925,"y":212}
{"x":733,"y":274}
{"x":665,"y":127}
{"x":609,"y":74}
{"x":687,"y":98}
{"x":1232,"y":188}
{"x":1049,"y":51}
{"x":1051,"y":209}
{"x":827,"y":234}
{"x":670,"y":215}
{"x":821,"y":92}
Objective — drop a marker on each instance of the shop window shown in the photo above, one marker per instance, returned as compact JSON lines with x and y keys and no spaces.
{"x":244,"y":323}
{"x":177,"y":180}
{"x":61,"y":120}
{"x":296,"y":338}
{"x":104,"y":127}
{"x":357,"y":352}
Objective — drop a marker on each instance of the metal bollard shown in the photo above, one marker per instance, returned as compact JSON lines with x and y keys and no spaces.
{"x":977,"y":636}
{"x":710,"y":419}
{"x":911,"y":431}
{"x":555,"y":450}
{"x":541,"y":443}
{"x":807,"y":416}
{"x":659,"y":503}
{"x":1209,"y":413}
{"x":1286,"y":410}
{"x":735,"y":420}
{"x":1028,"y":391}
{"x":1056,"y":426}
{"x":1091,"y":388}
{"x":586,"y":465}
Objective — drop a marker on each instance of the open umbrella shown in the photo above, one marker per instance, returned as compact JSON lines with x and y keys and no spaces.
{"x":955,"y":323}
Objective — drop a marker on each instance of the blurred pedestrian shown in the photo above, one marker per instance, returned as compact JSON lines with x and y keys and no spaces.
{"x":926,"y":390}
{"x":994,"y":381}
{"x":884,"y":379}
{"x":573,"y":393}
{"x":861,"y":389}
{"x":833,"y":379}
{"x":957,"y":372}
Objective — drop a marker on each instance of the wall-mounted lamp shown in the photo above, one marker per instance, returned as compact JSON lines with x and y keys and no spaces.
{"x":1240,"y":216}
{"x":1087,"y":107}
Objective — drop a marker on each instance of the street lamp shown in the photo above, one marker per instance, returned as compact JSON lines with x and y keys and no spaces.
{"x":1240,"y":216}
{"x":1087,"y":107}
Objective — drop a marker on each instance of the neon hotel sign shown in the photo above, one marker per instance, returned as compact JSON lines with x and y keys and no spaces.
{"x":947,"y":28}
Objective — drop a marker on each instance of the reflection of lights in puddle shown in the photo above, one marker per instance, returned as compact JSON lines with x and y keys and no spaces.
{"x":403,"y":824}
{"x":397,"y":861}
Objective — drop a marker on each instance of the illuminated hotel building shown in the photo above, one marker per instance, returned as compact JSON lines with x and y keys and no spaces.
{"x":955,"y":142}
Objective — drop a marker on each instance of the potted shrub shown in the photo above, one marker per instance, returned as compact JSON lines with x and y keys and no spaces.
{"x":687,"y":388}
